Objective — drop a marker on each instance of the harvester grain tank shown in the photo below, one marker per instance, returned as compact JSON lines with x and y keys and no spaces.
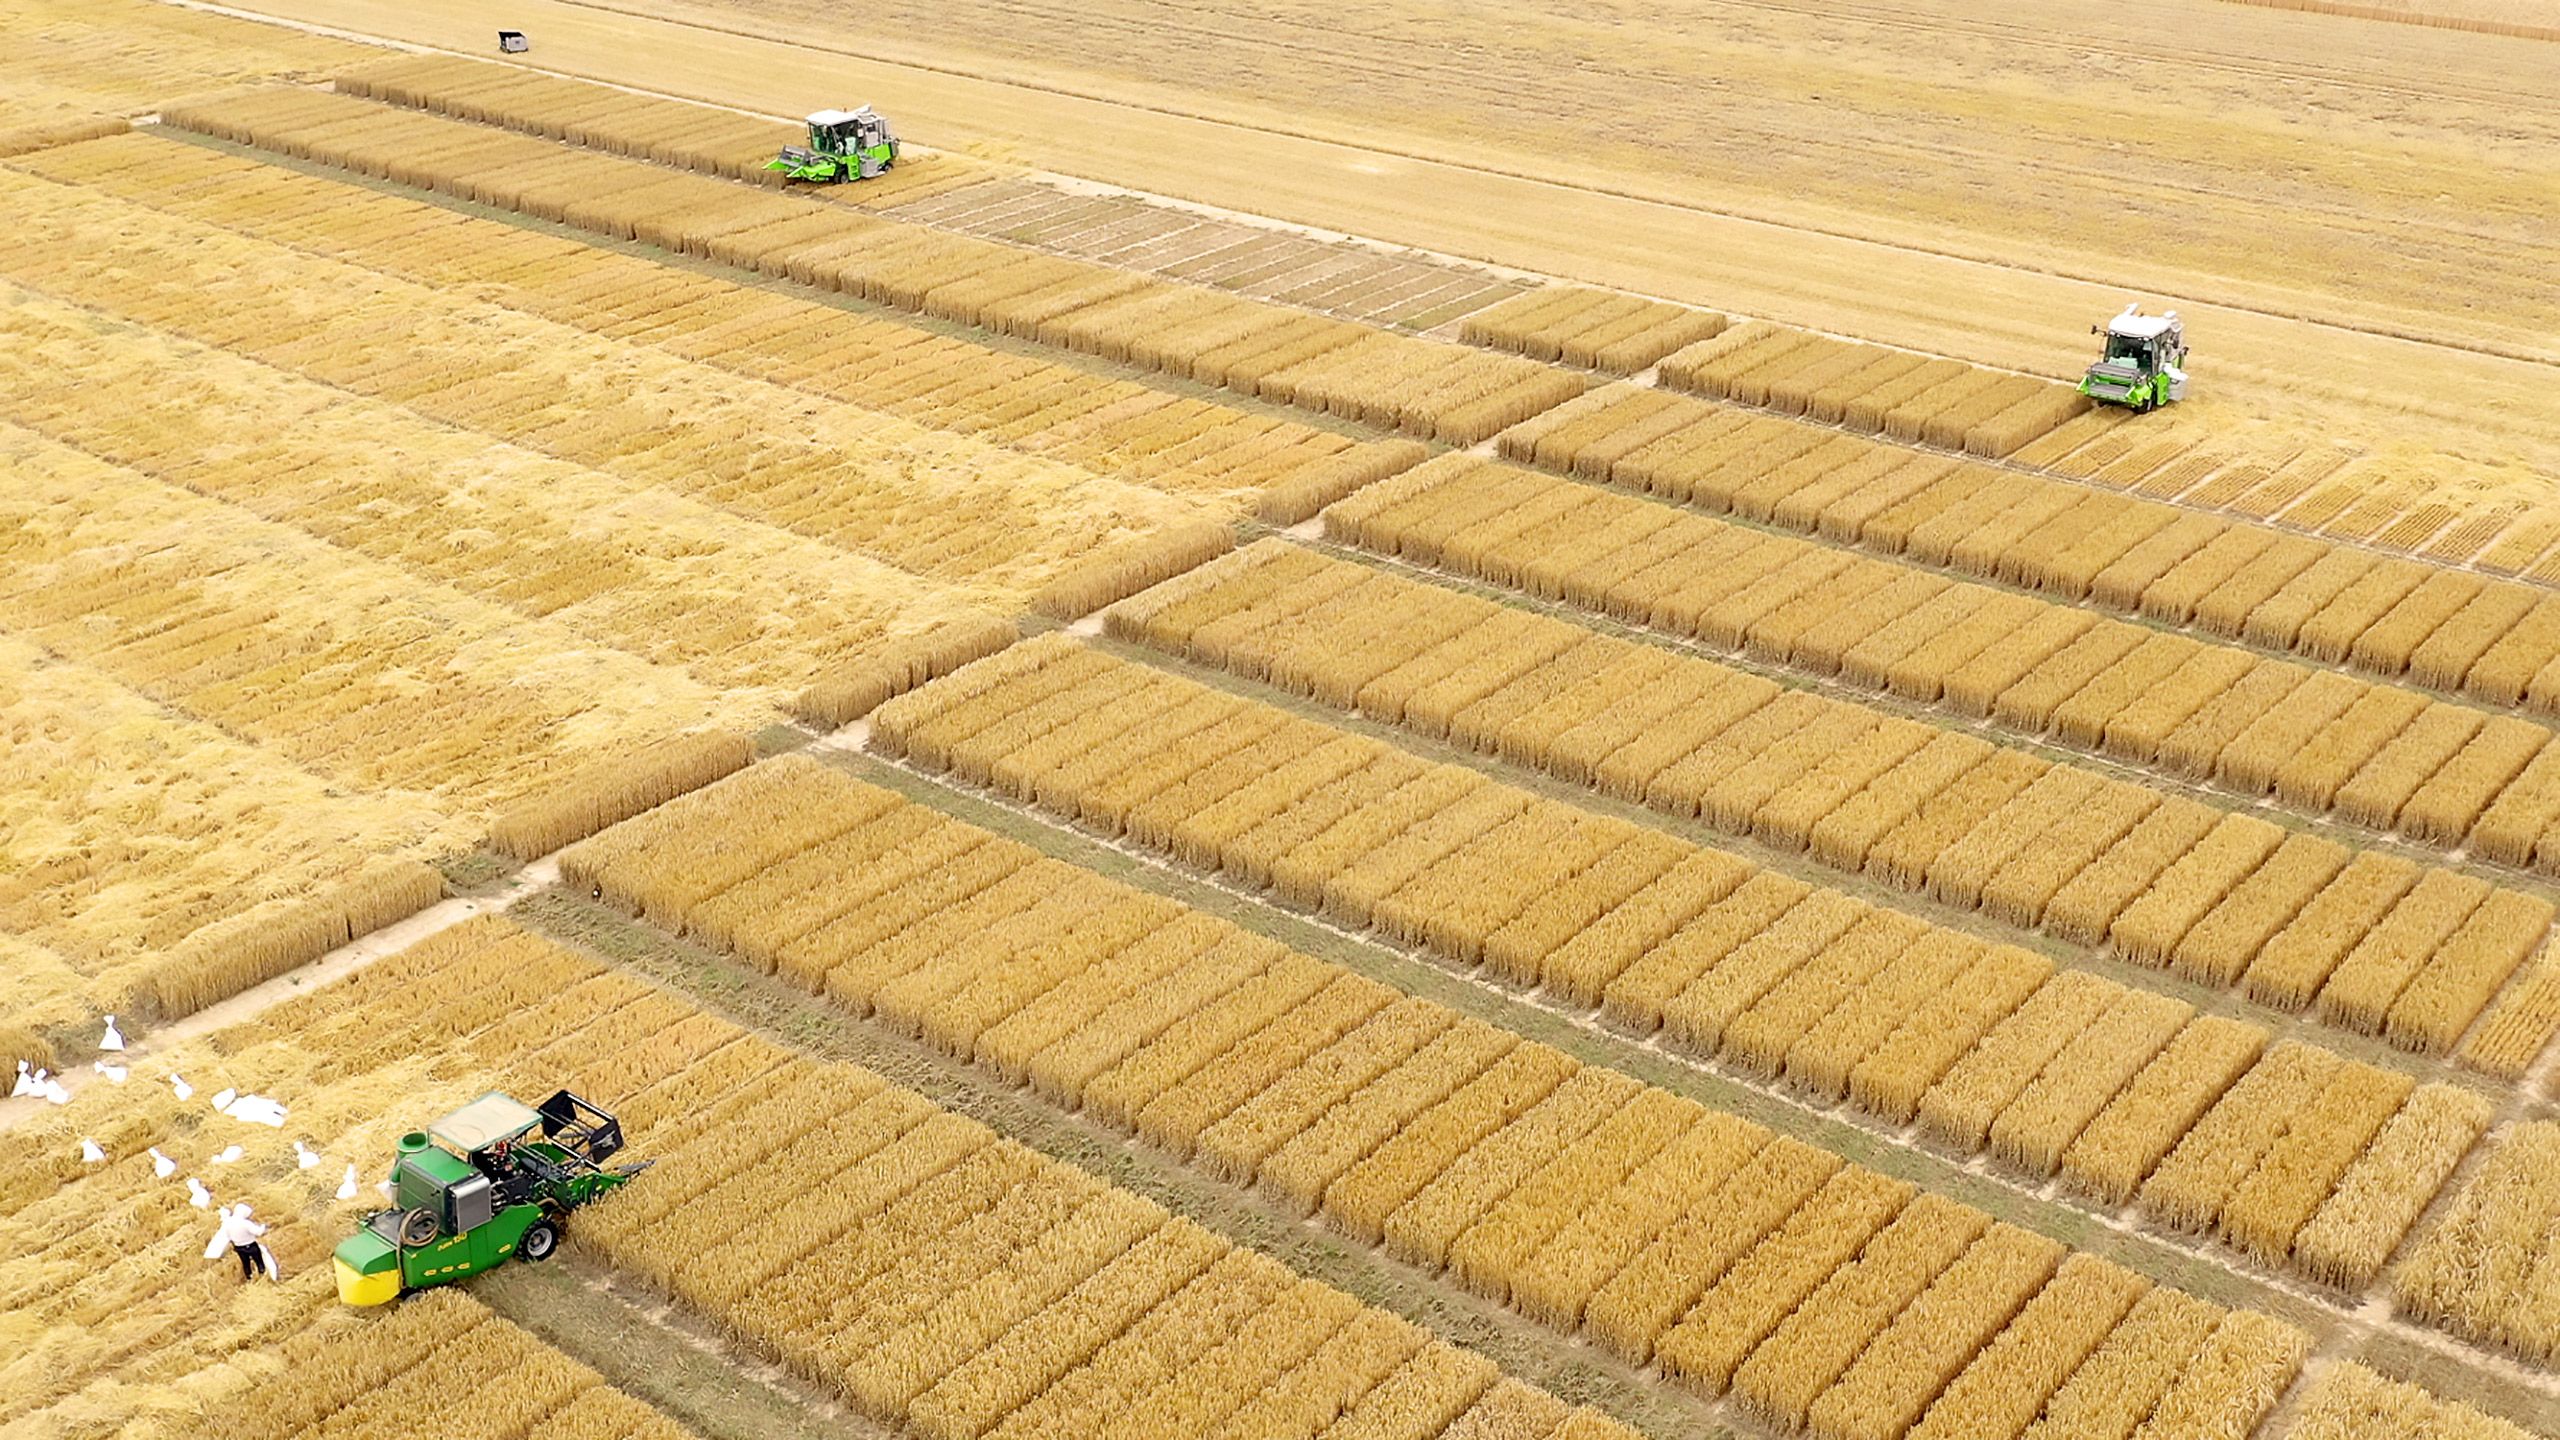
{"x":2144,"y":365}
{"x":843,"y":145}
{"x":478,"y":1188}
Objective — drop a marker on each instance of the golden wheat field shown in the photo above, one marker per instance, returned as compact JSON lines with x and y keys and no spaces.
{"x":1382,"y":725}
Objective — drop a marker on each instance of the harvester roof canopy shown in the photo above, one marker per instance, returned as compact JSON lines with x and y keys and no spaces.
{"x":484,"y":1122}
{"x":2141,"y":327}
{"x":832,"y":117}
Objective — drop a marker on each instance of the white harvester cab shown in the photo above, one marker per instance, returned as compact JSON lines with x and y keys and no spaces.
{"x":2144,"y":364}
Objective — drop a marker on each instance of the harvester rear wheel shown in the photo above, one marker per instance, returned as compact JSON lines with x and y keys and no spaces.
{"x":541,"y":1238}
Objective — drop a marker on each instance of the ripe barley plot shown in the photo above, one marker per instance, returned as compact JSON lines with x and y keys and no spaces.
{"x":1595,"y":329}
{"x":1578,"y":1194}
{"x":2488,"y":1268}
{"x":2493,"y":640}
{"x":2349,"y":1402}
{"x":1429,"y":389}
{"x":1730,"y":961}
{"x":2379,"y":755}
{"x":2215,"y":897}
{"x":1869,"y":388}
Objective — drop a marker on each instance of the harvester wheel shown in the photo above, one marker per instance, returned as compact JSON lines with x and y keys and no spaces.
{"x":418,"y":1227}
{"x":540,"y":1239}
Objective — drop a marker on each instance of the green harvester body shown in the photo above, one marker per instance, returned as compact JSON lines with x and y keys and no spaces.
{"x":843,"y":145}
{"x":480,"y":1187}
{"x":2144,"y":366}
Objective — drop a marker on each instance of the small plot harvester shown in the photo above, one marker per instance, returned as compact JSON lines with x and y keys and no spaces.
{"x":479,"y":1186}
{"x":2144,"y":366}
{"x":843,"y":145}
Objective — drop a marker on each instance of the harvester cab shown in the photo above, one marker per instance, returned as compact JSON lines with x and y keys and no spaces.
{"x":843,"y":145}
{"x":2144,"y":365}
{"x":492,"y":1180}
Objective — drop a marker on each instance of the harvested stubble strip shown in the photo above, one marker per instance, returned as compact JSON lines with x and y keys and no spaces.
{"x":904,"y":273}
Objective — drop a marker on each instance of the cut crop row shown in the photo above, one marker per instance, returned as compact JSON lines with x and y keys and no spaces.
{"x":948,"y":508}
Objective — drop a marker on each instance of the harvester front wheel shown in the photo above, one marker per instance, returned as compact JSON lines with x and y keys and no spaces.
{"x":541,"y":1238}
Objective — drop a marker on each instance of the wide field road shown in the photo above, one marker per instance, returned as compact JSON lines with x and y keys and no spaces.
{"x":2392,"y":376}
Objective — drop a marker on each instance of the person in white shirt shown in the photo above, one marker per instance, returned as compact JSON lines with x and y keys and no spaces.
{"x":241,"y":1234}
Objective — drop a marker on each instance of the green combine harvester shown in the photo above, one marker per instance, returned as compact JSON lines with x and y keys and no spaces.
{"x":477,"y":1187}
{"x":843,"y":145}
{"x":2144,"y":366}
